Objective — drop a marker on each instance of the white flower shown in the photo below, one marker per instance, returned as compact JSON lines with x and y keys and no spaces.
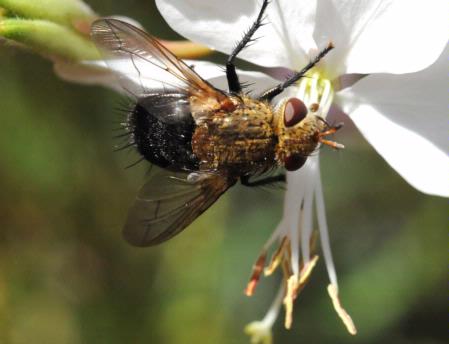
{"x":388,"y":72}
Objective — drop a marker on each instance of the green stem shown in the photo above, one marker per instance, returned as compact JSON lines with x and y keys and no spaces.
{"x":64,"y":12}
{"x":49,"y":38}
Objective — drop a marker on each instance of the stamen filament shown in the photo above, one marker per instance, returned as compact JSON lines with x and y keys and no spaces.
{"x":291,"y":206}
{"x":306,"y":220}
{"x":326,"y":97}
{"x":314,"y":88}
{"x":275,"y":307}
{"x":302,"y":87}
{"x":277,"y":233}
{"x":322,"y":226}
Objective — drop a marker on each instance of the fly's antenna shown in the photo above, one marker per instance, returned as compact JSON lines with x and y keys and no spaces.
{"x":330,"y":131}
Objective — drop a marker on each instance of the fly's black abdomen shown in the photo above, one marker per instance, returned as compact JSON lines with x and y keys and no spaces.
{"x":162,"y":128}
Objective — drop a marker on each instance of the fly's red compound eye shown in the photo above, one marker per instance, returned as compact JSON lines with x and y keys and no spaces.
{"x":294,"y":112}
{"x":294,"y":162}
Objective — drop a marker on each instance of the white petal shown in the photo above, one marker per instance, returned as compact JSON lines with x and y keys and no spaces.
{"x":382,"y":36}
{"x":405,"y":118}
{"x":138,"y":76}
{"x":285,"y":41}
{"x":97,"y":72}
{"x":87,"y":74}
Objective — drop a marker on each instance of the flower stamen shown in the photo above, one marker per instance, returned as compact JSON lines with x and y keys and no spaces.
{"x":317,"y":93}
{"x":277,"y":256}
{"x":294,"y":287}
{"x":332,"y":289}
{"x":255,"y":275}
{"x":291,"y":294}
{"x":297,"y":233}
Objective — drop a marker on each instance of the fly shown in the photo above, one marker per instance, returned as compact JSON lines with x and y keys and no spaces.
{"x":204,"y":139}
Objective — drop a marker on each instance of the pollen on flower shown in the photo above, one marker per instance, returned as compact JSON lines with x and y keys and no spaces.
{"x":293,"y":283}
{"x":255,"y":276}
{"x":277,"y":256}
{"x":294,"y":287}
{"x":332,"y":289}
{"x":307,"y":270}
{"x":292,"y":292}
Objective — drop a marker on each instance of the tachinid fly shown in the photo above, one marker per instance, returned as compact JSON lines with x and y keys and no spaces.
{"x":203,"y":138}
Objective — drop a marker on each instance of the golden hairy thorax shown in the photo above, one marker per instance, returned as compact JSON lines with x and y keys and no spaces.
{"x":240,"y":140}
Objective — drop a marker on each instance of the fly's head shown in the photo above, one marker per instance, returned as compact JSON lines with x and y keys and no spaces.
{"x":300,"y":131}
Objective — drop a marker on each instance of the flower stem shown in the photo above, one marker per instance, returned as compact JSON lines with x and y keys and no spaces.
{"x":49,"y":39}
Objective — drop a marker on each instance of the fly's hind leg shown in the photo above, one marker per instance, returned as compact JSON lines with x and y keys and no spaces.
{"x":233,"y":79}
{"x":264,"y":181}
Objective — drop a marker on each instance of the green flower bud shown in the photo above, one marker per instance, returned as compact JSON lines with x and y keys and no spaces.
{"x":65,"y":12}
{"x":50,"y":39}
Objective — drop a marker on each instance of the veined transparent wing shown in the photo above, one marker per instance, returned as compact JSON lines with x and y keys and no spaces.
{"x":139,"y":59}
{"x":168,"y":203}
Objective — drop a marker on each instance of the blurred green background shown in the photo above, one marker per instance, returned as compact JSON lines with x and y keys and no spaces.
{"x":66,"y":275}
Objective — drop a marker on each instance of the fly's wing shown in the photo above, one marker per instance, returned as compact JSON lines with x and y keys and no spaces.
{"x":139,"y":60}
{"x":168,"y":203}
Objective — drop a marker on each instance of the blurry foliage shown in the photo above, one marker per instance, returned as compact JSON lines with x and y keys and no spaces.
{"x":66,"y":276}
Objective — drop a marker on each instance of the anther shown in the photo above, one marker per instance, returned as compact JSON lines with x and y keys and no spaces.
{"x":255,"y":276}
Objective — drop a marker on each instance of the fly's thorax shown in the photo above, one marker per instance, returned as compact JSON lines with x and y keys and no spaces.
{"x":240,"y":140}
{"x":255,"y":109}
{"x":297,"y":129}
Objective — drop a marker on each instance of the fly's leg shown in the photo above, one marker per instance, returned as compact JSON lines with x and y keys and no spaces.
{"x":273,"y":92}
{"x":268,"y":180}
{"x":233,"y":79}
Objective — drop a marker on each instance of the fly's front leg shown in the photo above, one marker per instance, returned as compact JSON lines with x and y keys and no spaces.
{"x":233,"y":79}
{"x":273,"y":92}
{"x":268,"y":180}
